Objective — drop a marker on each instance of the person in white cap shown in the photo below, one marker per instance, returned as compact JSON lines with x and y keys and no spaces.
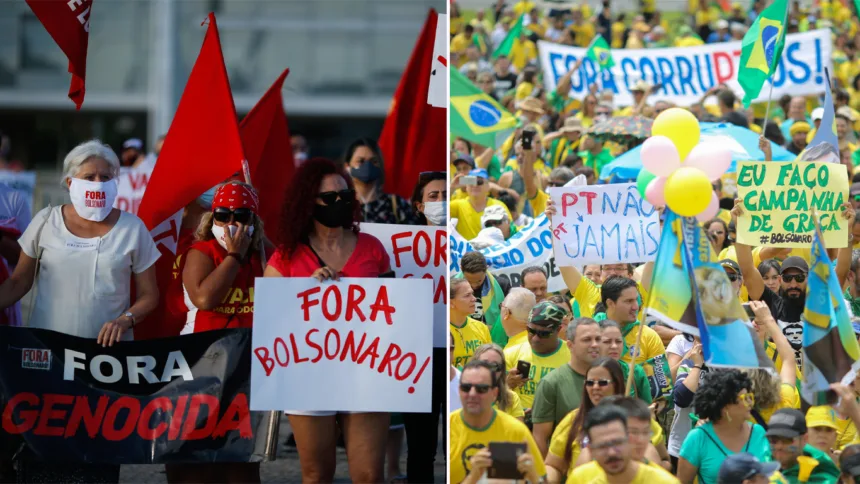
{"x":132,"y":153}
{"x":497,"y":216}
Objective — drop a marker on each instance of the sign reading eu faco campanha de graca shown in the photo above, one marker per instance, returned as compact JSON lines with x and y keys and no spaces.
{"x":354,"y":345}
{"x":181,"y":399}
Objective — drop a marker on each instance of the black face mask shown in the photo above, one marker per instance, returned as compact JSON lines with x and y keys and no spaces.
{"x":368,"y":172}
{"x":337,"y":214}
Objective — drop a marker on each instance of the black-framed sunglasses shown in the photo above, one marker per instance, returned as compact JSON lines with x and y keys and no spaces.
{"x":793,"y":277}
{"x":602,"y":383}
{"x":732,"y":276}
{"x":331,"y":197}
{"x":541,"y":334}
{"x":479,"y":387}
{"x":239,"y":215}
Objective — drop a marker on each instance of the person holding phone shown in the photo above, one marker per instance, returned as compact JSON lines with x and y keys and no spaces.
{"x":321,"y":239}
{"x":478,"y":424}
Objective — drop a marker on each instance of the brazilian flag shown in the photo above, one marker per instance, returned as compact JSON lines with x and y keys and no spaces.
{"x":476,"y":116}
{"x":761,"y":49}
{"x":505,"y":47}
{"x":599,"y":52}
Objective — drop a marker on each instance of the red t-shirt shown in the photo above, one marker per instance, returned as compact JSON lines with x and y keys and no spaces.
{"x":236,"y":310}
{"x":369,"y":259}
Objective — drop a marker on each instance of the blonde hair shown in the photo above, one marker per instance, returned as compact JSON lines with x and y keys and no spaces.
{"x":504,"y":400}
{"x":765,"y":388}
{"x":204,"y":228}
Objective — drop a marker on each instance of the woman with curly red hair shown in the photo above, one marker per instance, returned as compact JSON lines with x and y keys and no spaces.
{"x":320,"y":239}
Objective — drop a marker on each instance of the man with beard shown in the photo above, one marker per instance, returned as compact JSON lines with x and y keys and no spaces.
{"x":561,"y":390}
{"x":478,"y":423}
{"x":787,"y":306}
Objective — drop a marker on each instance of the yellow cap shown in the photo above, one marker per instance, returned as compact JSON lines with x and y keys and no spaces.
{"x":821,"y":416}
{"x":799,"y":127}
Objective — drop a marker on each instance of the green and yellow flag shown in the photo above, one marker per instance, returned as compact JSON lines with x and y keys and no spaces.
{"x":599,"y":52}
{"x":505,"y":47}
{"x":761,"y":49}
{"x":476,"y":116}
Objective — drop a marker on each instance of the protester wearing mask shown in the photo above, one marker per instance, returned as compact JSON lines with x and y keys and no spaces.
{"x":430,"y":198}
{"x":320,"y":239}
{"x":300,"y":148}
{"x":367,"y":170}
{"x":86,"y":254}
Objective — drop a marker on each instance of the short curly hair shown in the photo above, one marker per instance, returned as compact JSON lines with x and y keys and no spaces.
{"x":720,"y":389}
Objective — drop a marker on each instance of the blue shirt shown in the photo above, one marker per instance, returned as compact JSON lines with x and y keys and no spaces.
{"x":705,"y":451}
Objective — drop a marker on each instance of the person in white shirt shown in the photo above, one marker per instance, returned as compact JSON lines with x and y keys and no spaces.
{"x":87,"y":254}
{"x":14,"y":219}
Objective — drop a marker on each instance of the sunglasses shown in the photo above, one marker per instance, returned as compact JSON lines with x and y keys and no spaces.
{"x":732,"y":276}
{"x":541,"y":334}
{"x":330,"y":198}
{"x":479,"y":387}
{"x":600,"y":383}
{"x":793,"y":277}
{"x":239,"y":215}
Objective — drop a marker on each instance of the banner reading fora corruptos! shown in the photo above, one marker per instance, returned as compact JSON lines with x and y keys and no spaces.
{"x":419,"y":252}
{"x":182,"y":399}
{"x":531,"y":246}
{"x":603,"y":224}
{"x":355,"y":345}
{"x":687,"y":73}
{"x":779,"y":199}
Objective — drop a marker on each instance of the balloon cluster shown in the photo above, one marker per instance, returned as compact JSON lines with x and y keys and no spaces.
{"x":683,"y":186}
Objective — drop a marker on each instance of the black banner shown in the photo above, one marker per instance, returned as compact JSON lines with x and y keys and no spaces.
{"x":182,"y":399}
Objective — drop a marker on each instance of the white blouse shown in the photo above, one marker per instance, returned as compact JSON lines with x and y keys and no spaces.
{"x":84,"y":283}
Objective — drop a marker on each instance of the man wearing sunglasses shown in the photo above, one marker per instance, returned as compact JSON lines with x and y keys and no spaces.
{"x":474,"y":426}
{"x":733,"y":271}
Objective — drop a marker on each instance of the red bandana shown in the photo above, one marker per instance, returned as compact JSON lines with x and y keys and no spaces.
{"x":233,"y":196}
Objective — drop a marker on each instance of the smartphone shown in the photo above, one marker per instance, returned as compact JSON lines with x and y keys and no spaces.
{"x":528,"y":138}
{"x":505,"y":455}
{"x":523,"y":368}
{"x":748,"y":310}
{"x":469,"y":180}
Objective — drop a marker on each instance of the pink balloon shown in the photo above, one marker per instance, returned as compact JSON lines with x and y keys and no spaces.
{"x":654,"y":192}
{"x":712,"y":210}
{"x":712,"y":158}
{"x":660,"y":156}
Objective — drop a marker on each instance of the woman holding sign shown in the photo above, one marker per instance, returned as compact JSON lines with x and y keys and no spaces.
{"x":320,"y":239}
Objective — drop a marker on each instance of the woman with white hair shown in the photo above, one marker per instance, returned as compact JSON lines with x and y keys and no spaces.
{"x":82,"y":256}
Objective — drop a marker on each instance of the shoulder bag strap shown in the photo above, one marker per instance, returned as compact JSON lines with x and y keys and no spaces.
{"x":38,"y":264}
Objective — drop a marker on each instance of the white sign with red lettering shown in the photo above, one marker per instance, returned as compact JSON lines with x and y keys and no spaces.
{"x":419,"y":252}
{"x":130,"y":187}
{"x":356,"y":345}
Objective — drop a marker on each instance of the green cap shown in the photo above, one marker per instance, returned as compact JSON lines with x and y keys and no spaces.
{"x":547,"y":313}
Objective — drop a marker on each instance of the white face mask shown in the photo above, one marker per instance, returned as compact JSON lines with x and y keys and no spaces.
{"x":93,"y":200}
{"x":221,"y":234}
{"x":436,"y":212}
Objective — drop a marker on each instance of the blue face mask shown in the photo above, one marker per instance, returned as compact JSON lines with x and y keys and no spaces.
{"x":205,"y":200}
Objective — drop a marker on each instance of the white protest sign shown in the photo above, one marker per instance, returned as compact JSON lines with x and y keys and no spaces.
{"x":131,"y":184}
{"x":437,"y":92}
{"x":356,"y":345}
{"x":531,"y":246}
{"x":23,"y":182}
{"x":686,"y":73}
{"x":419,"y":252}
{"x":603,"y":224}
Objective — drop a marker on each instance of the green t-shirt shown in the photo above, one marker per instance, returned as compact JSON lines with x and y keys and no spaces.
{"x":640,"y":381}
{"x":557,"y":395}
{"x":596,"y":162}
{"x":560,"y":104}
{"x":494,"y":168}
{"x":825,"y":472}
{"x":706,"y":452}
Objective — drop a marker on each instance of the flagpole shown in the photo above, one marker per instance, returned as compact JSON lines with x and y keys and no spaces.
{"x":635,"y":354}
{"x":246,"y":171}
{"x":770,"y":78}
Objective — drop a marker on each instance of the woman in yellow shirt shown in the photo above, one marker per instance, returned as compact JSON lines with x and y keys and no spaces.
{"x":508,"y":401}
{"x":468,"y":334}
{"x":589,"y":105}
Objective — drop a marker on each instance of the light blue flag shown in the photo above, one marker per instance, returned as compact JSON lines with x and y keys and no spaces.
{"x":825,"y":140}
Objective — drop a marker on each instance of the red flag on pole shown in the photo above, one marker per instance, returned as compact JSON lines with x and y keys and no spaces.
{"x":68,"y":22}
{"x":414,"y":136}
{"x":266,"y":140}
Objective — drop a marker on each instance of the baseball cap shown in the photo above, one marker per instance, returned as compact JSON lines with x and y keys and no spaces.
{"x":465,"y":158}
{"x":480,"y":173}
{"x":493,"y":213}
{"x":547,"y":313}
{"x":730,"y":264}
{"x":787,"y":423}
{"x":817,"y":114}
{"x":740,"y":467}
{"x":821,"y":416}
{"x":794,"y":262}
{"x":133,"y":143}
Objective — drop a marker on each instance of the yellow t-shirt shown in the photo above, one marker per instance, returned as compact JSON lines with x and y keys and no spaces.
{"x":788,"y":398}
{"x":539,"y":202}
{"x":459,"y":44}
{"x":468,"y":220}
{"x":517,"y":339}
{"x":465,"y":441}
{"x":587,"y":121}
{"x":523,"y":91}
{"x":592,"y":473}
{"x":560,"y":434}
{"x":515,"y":408}
{"x":846,"y":434}
{"x":522,"y":52}
{"x":688,"y":42}
{"x":652,"y":345}
{"x":541,"y":366}
{"x":523,"y":7}
{"x":618,"y":29}
{"x":583,"y":34}
{"x":539,"y":166}
{"x":467,"y":339}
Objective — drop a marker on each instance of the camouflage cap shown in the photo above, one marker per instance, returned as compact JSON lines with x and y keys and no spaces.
{"x":547,"y":313}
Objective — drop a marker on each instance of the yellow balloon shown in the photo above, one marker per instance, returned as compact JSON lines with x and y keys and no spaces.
{"x":680,"y":126}
{"x":688,"y":191}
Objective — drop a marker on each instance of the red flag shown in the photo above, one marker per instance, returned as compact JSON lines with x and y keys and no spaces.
{"x":414,"y":136}
{"x":266,"y":139}
{"x":68,"y":22}
{"x":202,"y":147}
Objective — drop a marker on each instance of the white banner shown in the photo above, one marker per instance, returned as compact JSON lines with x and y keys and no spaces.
{"x":356,"y":345}
{"x":23,"y":182}
{"x":531,"y":246}
{"x":131,"y":185}
{"x":603,"y":224}
{"x":686,"y":73}
{"x":419,"y":252}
